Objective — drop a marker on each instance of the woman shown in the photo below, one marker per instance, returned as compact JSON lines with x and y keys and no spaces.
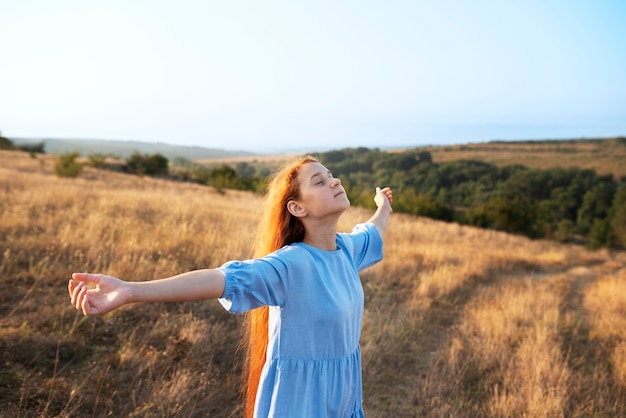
{"x":302,"y":295}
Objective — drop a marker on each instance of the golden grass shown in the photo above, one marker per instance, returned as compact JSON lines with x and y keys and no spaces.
{"x":605,"y":301}
{"x":605,"y":157}
{"x":505,"y":351}
{"x":459,"y":321}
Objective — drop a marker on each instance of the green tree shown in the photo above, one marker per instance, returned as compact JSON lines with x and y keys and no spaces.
{"x":595,"y":205}
{"x":600,"y":234}
{"x":564,"y":230}
{"x":618,"y":216}
{"x":511,"y":215}
{"x":424,"y":157}
{"x":421,"y":205}
{"x":225,"y":177}
{"x":547,"y":219}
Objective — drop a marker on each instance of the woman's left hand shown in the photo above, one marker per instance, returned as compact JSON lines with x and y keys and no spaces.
{"x":384,"y":197}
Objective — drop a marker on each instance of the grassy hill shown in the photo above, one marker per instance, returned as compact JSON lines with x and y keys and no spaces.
{"x":604,"y":155}
{"x":459,"y":321}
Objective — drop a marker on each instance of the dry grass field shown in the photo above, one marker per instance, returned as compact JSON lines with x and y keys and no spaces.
{"x":459,"y":322}
{"x":603,"y":156}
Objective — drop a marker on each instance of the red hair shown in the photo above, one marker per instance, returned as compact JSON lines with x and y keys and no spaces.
{"x":277,"y":228}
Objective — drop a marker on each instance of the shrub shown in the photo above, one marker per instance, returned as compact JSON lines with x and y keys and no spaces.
{"x":151,"y":165}
{"x":6,"y":143}
{"x":564,"y":230}
{"x":618,"y":218}
{"x":600,"y":234}
{"x":36,"y":148}
{"x":97,"y":160}
{"x":66,"y":165}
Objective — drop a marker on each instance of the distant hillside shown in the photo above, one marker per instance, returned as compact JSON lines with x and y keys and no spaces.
{"x":604,"y":155}
{"x":124,"y":149}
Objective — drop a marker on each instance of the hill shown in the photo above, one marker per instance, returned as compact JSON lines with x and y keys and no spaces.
{"x":604,"y":155}
{"x":458,"y":321}
{"x":124,"y":149}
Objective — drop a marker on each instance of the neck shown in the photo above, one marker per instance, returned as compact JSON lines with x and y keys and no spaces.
{"x":322,"y":236}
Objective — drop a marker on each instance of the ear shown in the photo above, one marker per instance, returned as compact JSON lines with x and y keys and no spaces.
{"x":296,"y":209}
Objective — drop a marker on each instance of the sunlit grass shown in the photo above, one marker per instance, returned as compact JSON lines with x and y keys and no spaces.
{"x":459,"y":321}
{"x":605,"y":157}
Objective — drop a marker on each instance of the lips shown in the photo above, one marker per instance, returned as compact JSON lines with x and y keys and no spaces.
{"x":340,"y":193}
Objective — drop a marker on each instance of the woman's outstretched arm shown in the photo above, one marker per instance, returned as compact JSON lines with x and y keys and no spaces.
{"x":96,"y":294}
{"x":383,"y":199}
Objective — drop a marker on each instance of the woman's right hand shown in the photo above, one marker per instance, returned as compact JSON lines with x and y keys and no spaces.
{"x":96,"y":294}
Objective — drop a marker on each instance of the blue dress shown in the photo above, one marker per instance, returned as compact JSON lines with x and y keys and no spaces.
{"x":313,"y":364}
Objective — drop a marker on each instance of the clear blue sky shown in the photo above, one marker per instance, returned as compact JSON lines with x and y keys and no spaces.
{"x":267,"y":75}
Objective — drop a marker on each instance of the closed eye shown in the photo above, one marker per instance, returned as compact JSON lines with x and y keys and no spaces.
{"x":320,"y":178}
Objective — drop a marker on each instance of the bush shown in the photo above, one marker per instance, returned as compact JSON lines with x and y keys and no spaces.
{"x":37,"y":148}
{"x":151,"y":165}
{"x":66,"y":165}
{"x":618,"y":218}
{"x":97,"y":160}
{"x":564,"y":230}
{"x":600,"y":234}
{"x":6,"y":143}
{"x":421,"y":205}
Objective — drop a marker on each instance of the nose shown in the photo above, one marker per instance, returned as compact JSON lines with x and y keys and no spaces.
{"x":336,"y":181}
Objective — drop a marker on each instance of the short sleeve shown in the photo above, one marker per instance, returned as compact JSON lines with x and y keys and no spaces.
{"x":254,"y":283}
{"x":365,"y":245}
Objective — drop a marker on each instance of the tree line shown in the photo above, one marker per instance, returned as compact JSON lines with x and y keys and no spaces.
{"x":564,"y":204}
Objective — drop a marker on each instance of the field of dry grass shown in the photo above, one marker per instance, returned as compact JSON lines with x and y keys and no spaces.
{"x":605,"y":157}
{"x":459,"y":321}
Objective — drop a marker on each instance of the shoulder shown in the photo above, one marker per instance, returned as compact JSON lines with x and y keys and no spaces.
{"x":288,"y":251}
{"x":289,"y":254}
{"x":364,"y":244}
{"x":359,"y":232}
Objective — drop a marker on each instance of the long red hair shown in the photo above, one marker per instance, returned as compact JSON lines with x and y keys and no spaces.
{"x":277,"y":228}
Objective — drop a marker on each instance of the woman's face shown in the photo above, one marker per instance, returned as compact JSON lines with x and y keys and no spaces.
{"x":321,"y":194}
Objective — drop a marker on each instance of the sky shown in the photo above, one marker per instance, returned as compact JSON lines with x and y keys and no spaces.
{"x":278,"y":75}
